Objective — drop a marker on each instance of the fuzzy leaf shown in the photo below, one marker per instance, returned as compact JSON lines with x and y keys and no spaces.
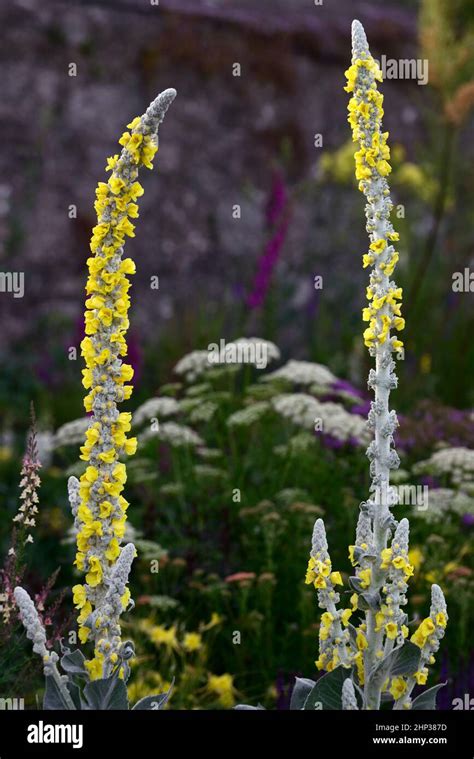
{"x":72,"y":662}
{"x":301,"y":691}
{"x":75,"y":693}
{"x":372,"y":600}
{"x":402,"y":661}
{"x":328,"y":690}
{"x":427,"y":700}
{"x":356,"y":584}
{"x":246,"y":707}
{"x":153,"y":703}
{"x":106,"y":694}
{"x":53,"y":698}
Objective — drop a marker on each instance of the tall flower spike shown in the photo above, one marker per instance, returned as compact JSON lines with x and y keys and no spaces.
{"x":383,"y":314}
{"x":100,"y":511}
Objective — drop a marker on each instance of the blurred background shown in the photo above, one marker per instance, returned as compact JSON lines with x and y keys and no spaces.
{"x":244,"y":209}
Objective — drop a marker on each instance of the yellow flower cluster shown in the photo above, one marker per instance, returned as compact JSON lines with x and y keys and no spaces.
{"x":426,"y":629}
{"x":319,"y":574}
{"x":371,"y":169}
{"x":101,"y":514}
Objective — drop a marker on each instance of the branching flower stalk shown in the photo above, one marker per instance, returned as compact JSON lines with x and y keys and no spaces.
{"x":97,"y":502}
{"x":380,"y":552}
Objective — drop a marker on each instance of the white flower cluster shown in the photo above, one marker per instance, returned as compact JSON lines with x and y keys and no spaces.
{"x":302,"y":373}
{"x":238,"y":352}
{"x":304,"y":411}
{"x":71,"y":433}
{"x":442,"y":501}
{"x":249,"y":415}
{"x":203,"y":412}
{"x":172,"y":433}
{"x":155,"y":408}
{"x":458,"y":463}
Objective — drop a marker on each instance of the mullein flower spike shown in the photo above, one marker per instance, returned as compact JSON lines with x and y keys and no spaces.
{"x":97,"y":503}
{"x":37,"y":634}
{"x":380,"y":553}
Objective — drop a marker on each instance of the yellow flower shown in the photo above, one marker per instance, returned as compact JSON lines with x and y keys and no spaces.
{"x":345,"y":616}
{"x":354,"y":600}
{"x":95,"y":573}
{"x":161,"y":636}
{"x":85,"y":611}
{"x":319,"y":582}
{"x":385,"y":555}
{"x":427,"y":627}
{"x":351,"y":555}
{"x":421,"y":677}
{"x":418,"y":638}
{"x":378,"y":246}
{"x":391,"y":630}
{"x":192,"y":642}
{"x":361,"y":641}
{"x":365,"y":575}
{"x":327,"y":619}
{"x":441,"y":619}
{"x":79,"y":596}
{"x":95,"y":668}
{"x":125,"y":598}
{"x":223,"y":687}
{"x":336,"y":578}
{"x":84,"y":633}
{"x":399,"y":562}
{"x":398,"y":687}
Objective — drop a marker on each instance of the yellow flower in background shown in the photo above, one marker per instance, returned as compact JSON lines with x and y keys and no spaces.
{"x":416,"y":557}
{"x":192,"y":642}
{"x":425,"y":363}
{"x":161,"y":636}
{"x":223,"y":687}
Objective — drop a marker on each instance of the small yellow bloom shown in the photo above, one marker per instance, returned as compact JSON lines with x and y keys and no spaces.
{"x":79,"y":596}
{"x":361,"y":641}
{"x":365,"y":575}
{"x":336,"y":578}
{"x":391,"y":630}
{"x":378,"y":246}
{"x":192,"y":642}
{"x":398,"y":687}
